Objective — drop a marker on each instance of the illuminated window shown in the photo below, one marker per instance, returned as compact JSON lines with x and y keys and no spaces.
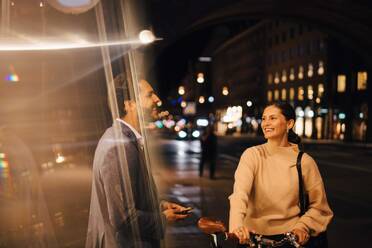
{"x":301,"y":72}
{"x":310,"y":92}
{"x":321,"y":68}
{"x":291,"y":74}
{"x":362,"y":80}
{"x":341,"y":83}
{"x":319,"y":127}
{"x":270,"y":78}
{"x":320,"y":90}
{"x":310,"y":70}
{"x":284,"y":94}
{"x":291,"y":93}
{"x":284,"y":76}
{"x":269,"y":96}
{"x":299,"y":124}
{"x":276,"y":79}
{"x":276,"y":95}
{"x":301,"y":93}
{"x":309,"y":114}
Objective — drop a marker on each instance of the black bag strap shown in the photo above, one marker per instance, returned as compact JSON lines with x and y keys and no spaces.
{"x":301,"y":191}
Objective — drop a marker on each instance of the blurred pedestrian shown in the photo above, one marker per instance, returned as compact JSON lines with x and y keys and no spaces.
{"x":124,"y":210}
{"x":267,"y":186}
{"x":208,"y":151}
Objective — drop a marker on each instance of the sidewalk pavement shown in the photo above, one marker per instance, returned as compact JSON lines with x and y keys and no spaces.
{"x":178,"y":179}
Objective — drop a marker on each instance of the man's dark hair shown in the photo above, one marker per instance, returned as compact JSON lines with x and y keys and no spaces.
{"x":121,"y":93}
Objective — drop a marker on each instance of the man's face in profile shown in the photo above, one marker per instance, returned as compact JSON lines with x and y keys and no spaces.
{"x":148,"y":99}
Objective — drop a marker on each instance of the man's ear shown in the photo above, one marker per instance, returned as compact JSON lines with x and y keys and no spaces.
{"x":132,"y":104}
{"x":128,"y":104}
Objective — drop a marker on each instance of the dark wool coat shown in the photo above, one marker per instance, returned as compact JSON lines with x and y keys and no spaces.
{"x":113,"y":217}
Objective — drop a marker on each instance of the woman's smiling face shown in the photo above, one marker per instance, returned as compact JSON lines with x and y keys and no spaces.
{"x":274,"y":125}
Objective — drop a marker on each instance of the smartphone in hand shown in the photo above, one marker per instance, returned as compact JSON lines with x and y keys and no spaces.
{"x":186,"y":211}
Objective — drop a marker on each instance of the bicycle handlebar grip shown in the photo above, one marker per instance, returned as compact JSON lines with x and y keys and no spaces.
{"x":211,"y":226}
{"x":232,"y":236}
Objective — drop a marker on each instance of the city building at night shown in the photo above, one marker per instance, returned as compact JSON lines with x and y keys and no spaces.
{"x":277,"y":60}
{"x":296,"y":71}
{"x":325,"y":81}
{"x":237,"y":75}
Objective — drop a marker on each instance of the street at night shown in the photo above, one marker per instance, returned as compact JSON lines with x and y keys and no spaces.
{"x":346,"y":172}
{"x":185,"y":123}
{"x":178,"y":180}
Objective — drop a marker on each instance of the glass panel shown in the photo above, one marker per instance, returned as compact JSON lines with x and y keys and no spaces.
{"x":57,"y":88}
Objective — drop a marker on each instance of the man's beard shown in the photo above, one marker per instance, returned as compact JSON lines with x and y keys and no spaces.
{"x":150,"y":114}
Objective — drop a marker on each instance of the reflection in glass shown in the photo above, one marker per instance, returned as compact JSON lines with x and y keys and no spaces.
{"x":25,"y":220}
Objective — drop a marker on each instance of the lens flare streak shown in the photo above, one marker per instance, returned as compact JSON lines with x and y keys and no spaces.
{"x":45,"y":46}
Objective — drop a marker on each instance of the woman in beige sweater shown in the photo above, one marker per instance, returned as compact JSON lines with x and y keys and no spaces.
{"x":265,"y":198}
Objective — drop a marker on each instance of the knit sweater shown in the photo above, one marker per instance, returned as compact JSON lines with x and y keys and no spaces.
{"x":265,"y":197}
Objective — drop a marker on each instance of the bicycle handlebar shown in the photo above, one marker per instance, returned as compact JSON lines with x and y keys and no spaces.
{"x":218,"y":231}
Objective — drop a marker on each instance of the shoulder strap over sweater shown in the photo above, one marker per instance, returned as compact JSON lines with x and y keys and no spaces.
{"x":301,"y":193}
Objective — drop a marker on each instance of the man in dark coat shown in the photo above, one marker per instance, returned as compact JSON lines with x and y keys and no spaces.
{"x":125,"y":211}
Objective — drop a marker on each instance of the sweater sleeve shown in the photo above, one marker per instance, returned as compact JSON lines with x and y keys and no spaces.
{"x":319,"y":214}
{"x":244,"y":176}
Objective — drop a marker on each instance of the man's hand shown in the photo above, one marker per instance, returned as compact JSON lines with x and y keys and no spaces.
{"x":174,"y":211}
{"x":171,"y":215}
{"x":302,"y":236}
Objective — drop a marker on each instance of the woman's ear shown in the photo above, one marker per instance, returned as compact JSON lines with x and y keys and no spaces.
{"x":290,"y":124}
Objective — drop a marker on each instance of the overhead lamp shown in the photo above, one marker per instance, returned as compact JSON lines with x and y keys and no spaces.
{"x":146,"y":37}
{"x":225,"y":91}
{"x":73,"y":6}
{"x":181,"y":90}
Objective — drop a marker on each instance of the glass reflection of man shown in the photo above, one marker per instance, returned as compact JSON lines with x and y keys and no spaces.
{"x":113,"y":218}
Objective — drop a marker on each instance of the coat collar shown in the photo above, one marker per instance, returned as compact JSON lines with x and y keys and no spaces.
{"x":288,"y":153}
